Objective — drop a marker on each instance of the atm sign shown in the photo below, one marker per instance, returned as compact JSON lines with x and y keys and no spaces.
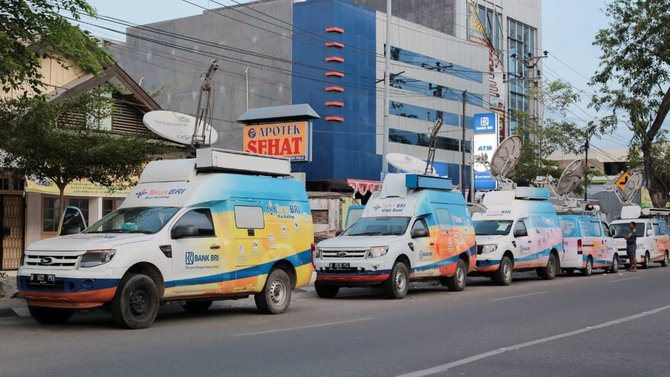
{"x":289,"y":139}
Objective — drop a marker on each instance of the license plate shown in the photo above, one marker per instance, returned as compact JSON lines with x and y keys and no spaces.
{"x":42,"y":279}
{"x":339,"y":266}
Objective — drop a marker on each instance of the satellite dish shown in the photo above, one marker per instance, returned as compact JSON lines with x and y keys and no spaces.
{"x":176,"y":127}
{"x":506,"y":157}
{"x":408,"y":164}
{"x":571,"y":177}
{"x":632,"y":187}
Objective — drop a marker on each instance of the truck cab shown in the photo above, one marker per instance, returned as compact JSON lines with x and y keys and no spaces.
{"x":415,"y":228}
{"x":519,"y":231}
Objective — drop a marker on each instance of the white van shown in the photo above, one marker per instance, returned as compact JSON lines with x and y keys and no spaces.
{"x":587,"y":244}
{"x":653,"y":242}
{"x":519,"y":231}
{"x":415,"y":228}
{"x":224,"y":225}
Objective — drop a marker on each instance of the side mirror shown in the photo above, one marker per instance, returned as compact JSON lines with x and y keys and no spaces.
{"x":71,"y":222}
{"x":420,"y":233}
{"x":649,"y":232}
{"x":613,"y":232}
{"x":520,"y":233}
{"x":183,"y":231}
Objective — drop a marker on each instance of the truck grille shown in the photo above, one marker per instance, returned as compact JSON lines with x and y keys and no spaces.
{"x":335,"y":254}
{"x":47,"y":260}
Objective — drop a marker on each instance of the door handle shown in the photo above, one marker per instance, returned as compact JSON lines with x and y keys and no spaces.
{"x":215,"y":247}
{"x":432,"y":244}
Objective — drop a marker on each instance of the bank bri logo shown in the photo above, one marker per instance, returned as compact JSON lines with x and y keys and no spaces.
{"x":190,"y":258}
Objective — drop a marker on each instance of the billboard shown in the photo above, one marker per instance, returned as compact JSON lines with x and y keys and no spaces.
{"x":485,"y":141}
{"x":288,"y":139}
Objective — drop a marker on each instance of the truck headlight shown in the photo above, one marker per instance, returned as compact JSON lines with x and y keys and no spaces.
{"x":377,"y":251}
{"x":489,"y":248}
{"x":317,"y":253}
{"x":94,"y":258}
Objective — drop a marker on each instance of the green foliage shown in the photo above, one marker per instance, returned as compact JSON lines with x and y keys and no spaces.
{"x":634,"y":82}
{"x":59,"y":140}
{"x":31,"y":30}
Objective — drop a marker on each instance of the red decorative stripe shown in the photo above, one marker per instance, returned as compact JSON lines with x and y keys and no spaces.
{"x":335,"y":103}
{"x":335,"y":59}
{"x":334,"y":29}
{"x":335,"y":119}
{"x":334,"y":44}
{"x":334,"y":73}
{"x":334,"y":89}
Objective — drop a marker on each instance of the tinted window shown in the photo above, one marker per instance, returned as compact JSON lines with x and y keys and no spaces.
{"x":249,"y":217}
{"x":520,"y":229}
{"x":585,"y":228}
{"x":201,"y":219}
{"x":493,"y":227}
{"x":420,"y":224}
{"x":378,"y":226}
{"x":569,"y":227}
{"x":444,"y":218}
{"x":595,"y":227}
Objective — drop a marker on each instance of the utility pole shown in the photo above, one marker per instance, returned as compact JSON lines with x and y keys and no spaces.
{"x":387,"y":82}
{"x":462,"y":180}
{"x":590,"y":130}
{"x":246,"y":79}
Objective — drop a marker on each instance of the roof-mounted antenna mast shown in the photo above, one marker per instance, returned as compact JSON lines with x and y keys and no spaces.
{"x":204,"y":113}
{"x":430,"y":161}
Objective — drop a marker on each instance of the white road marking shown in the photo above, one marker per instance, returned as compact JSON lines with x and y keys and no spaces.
{"x":518,"y":296}
{"x":444,"y":367}
{"x":625,"y":279}
{"x":304,"y":327}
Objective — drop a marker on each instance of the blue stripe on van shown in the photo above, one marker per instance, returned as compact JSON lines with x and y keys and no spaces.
{"x":297,"y":260}
{"x":444,"y":262}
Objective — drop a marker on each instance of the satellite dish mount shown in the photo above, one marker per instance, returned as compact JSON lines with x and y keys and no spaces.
{"x":202,"y":133}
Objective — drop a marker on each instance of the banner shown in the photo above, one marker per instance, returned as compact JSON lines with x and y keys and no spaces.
{"x":76,"y":188}
{"x":288,"y":139}
{"x":485,"y":142}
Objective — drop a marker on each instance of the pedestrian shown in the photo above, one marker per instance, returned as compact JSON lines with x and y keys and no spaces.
{"x":631,"y":247}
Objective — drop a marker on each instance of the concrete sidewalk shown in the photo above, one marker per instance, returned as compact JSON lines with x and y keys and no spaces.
{"x":10,"y":304}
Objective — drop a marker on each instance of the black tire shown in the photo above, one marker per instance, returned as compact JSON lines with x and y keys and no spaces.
{"x":276,"y":294}
{"x":647,"y":260}
{"x":326,"y":290}
{"x":397,"y":285}
{"x":615,"y":264}
{"x":666,"y":260}
{"x":456,"y":282}
{"x":136,"y":302}
{"x":50,"y":316}
{"x":549,"y":271}
{"x":505,"y":272}
{"x":196,"y":306}
{"x":588,"y":270}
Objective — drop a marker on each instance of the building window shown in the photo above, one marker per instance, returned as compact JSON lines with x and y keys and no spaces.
{"x":50,"y":214}
{"x":432,"y":64}
{"x":434,"y":90}
{"x":429,"y":115}
{"x":108,"y":206}
{"x":520,"y":42}
{"x":82,"y":204}
{"x":423,"y":140}
{"x":491,"y":22}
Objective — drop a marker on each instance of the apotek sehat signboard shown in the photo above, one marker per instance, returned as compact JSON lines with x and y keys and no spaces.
{"x":286,"y":139}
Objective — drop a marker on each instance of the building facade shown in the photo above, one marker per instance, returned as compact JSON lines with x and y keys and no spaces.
{"x":330,"y":54}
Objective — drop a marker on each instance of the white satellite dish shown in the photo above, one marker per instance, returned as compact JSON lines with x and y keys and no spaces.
{"x":632,"y":187}
{"x":408,"y":164}
{"x":176,"y":127}
{"x":505,"y":159}
{"x":571,"y":177}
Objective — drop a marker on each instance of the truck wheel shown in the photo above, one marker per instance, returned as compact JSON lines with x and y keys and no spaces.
{"x":647,"y":260}
{"x":397,"y":285}
{"x":588,"y":270}
{"x":503,"y":276}
{"x":615,"y":264}
{"x":456,"y":282}
{"x":665,"y":260}
{"x":326,"y":290}
{"x":276,"y":294}
{"x":548,"y":272}
{"x":136,"y":302}
{"x":196,"y":306}
{"x":50,"y":316}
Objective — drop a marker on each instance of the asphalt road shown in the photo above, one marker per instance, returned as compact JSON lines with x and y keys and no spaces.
{"x":603,"y":325}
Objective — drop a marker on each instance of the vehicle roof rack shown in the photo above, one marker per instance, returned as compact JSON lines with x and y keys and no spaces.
{"x":222,"y":160}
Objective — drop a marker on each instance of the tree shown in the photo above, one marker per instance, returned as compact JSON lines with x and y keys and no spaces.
{"x":542,"y":138}
{"x":633,"y":79}
{"x":60,"y":140}
{"x":33,"y":30}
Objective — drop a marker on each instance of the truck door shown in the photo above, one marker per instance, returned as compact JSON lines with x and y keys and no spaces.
{"x":424,"y":250}
{"x":196,"y":253}
{"x":524,"y":245}
{"x":250,"y":245}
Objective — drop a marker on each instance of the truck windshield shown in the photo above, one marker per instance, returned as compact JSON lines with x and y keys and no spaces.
{"x":622,"y":229}
{"x":134,"y":220}
{"x":492,"y":227}
{"x":378,"y":226}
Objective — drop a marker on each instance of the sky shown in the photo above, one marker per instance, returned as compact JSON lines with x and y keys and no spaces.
{"x":568,"y":31}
